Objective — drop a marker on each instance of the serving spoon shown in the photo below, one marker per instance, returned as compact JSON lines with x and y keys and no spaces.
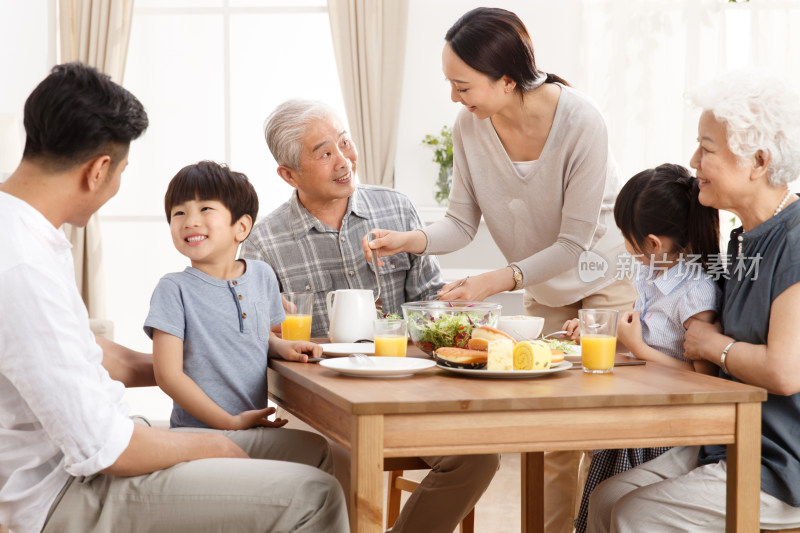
{"x":371,"y":237}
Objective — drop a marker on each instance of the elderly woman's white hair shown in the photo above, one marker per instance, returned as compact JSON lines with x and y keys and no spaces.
{"x":760,"y":112}
{"x":285,"y":127}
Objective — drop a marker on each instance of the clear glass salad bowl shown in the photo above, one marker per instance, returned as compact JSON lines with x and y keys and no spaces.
{"x":435,"y":324}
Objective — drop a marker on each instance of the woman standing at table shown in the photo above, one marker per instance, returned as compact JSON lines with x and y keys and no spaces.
{"x":749,"y":151}
{"x":531,"y":156}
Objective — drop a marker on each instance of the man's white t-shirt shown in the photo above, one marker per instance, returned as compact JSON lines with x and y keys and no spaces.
{"x":61,"y":414}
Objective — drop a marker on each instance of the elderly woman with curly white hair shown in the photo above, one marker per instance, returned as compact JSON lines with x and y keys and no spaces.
{"x":748,"y":153}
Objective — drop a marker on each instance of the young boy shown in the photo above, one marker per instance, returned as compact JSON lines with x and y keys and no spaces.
{"x":210,"y":324}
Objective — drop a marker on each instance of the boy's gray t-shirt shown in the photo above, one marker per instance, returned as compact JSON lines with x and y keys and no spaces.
{"x":224,"y":325}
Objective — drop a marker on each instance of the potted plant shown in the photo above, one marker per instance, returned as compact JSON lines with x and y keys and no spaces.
{"x":442,"y":146}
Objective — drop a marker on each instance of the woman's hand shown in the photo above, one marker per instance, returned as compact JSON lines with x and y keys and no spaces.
{"x":696,"y":340}
{"x":388,"y":242}
{"x":480,"y":287}
{"x":257,"y":418}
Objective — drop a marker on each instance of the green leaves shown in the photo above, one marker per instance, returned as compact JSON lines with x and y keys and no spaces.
{"x":442,"y":146}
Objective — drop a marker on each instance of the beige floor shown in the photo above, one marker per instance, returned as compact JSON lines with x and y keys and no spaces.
{"x":498,"y":511}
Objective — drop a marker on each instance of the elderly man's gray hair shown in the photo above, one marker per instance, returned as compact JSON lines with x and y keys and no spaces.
{"x":760,"y":112}
{"x":287,"y":124}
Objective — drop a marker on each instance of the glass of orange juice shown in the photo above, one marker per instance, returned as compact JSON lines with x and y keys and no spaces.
{"x":391,"y":337}
{"x":598,"y":339}
{"x":297,"y":325}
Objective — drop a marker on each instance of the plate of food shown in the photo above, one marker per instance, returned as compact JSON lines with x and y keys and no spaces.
{"x":492,"y":353}
{"x":339,"y":349}
{"x":570,"y":349}
{"x":382,"y":366}
{"x":509,"y":374}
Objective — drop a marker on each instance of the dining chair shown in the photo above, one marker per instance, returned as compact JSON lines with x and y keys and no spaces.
{"x":397,"y":483}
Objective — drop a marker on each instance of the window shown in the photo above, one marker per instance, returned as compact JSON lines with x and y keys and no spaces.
{"x":209,"y":72}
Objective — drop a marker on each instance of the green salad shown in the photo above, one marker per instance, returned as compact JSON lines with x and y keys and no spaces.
{"x":560,"y":344}
{"x":432,"y":331}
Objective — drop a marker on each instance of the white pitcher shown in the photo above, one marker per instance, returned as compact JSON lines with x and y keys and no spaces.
{"x":351,"y":313}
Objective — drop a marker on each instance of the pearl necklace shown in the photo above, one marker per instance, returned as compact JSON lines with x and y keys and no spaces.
{"x":778,"y":209}
{"x":783,"y":202}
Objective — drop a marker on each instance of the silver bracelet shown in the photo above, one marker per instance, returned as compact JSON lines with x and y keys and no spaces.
{"x":724,"y":355}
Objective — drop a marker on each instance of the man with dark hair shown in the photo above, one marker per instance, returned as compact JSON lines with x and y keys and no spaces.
{"x":71,"y":459}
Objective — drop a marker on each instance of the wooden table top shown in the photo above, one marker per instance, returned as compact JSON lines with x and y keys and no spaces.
{"x":437,"y":390}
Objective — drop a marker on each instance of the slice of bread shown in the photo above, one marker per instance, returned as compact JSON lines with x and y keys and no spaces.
{"x":482,"y":335}
{"x":462,"y":355}
{"x":556,"y":356}
{"x":460,"y":358}
{"x":500,"y":355}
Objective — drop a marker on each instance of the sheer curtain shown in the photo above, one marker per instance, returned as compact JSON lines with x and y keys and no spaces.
{"x":369,"y":39}
{"x":639,"y":58}
{"x":644,"y":57}
{"x":94,"y":32}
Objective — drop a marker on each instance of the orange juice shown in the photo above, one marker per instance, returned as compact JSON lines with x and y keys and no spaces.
{"x":296,"y":328}
{"x":597,"y":352}
{"x":391,"y":346}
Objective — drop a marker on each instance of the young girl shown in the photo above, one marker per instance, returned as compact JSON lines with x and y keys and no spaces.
{"x":675,"y":241}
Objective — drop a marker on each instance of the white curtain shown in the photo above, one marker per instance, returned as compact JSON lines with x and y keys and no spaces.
{"x":640,"y":58}
{"x":94,"y":32}
{"x":369,"y":40}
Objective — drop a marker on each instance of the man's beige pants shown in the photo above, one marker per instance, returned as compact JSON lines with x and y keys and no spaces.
{"x":286,"y":486}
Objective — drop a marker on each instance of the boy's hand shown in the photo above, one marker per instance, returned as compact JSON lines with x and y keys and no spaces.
{"x":257,"y":418}
{"x":299,"y":350}
{"x":573,"y":329}
{"x":629,"y":329}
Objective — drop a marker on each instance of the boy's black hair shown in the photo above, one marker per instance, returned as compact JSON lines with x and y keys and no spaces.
{"x":77,"y":113}
{"x":663,"y":201}
{"x":208,"y":180}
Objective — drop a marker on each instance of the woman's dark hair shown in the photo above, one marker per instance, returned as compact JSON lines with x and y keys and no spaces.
{"x":663,"y":201}
{"x":77,"y":113}
{"x":495,"y":42}
{"x":208,"y":180}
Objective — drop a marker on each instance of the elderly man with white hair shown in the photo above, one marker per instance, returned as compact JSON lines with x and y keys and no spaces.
{"x":748,"y":153}
{"x":313,"y":242}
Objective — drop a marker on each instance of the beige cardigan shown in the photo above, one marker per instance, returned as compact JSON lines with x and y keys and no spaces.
{"x":545,"y":220}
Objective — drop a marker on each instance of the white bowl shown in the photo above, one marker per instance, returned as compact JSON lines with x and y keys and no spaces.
{"x":521,"y":327}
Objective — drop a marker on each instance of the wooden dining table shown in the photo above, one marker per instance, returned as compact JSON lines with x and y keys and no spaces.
{"x":437,"y":412}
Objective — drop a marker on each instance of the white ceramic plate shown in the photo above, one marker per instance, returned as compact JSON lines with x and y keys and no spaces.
{"x":384,"y":366}
{"x":510,"y":374}
{"x":346,"y":348}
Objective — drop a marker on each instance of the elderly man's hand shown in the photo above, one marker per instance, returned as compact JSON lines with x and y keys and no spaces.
{"x":697,"y":336}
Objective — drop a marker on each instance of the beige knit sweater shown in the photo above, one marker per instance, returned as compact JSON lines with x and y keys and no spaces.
{"x":545,"y":220}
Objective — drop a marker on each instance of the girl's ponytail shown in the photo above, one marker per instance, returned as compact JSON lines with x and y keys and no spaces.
{"x":663,"y":201}
{"x":703,"y":227}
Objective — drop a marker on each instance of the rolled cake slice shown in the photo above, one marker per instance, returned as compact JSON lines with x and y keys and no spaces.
{"x":531,"y":355}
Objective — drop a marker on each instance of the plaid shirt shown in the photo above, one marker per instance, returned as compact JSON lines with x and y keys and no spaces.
{"x":308,"y":255}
